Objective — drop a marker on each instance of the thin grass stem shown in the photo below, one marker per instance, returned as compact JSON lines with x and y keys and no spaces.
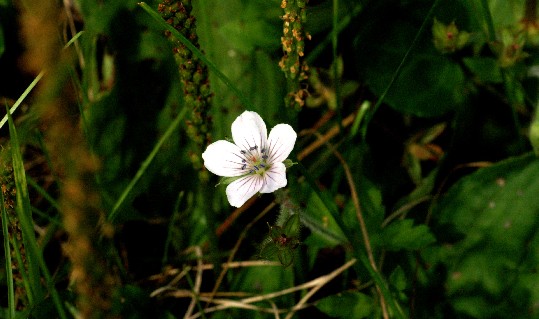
{"x":397,"y":72}
{"x":144,"y":166}
{"x":9,"y":266}
{"x":23,"y":208}
{"x":247,"y":104}
{"x":22,"y":97}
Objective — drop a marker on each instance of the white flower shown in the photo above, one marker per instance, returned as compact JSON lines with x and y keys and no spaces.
{"x":253,"y":157}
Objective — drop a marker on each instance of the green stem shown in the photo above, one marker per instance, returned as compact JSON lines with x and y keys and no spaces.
{"x":397,"y":72}
{"x":9,"y":267}
{"x":172,"y":127}
{"x":342,"y":23}
{"x":358,"y":251}
{"x":491,"y":33}
{"x":508,"y":88}
{"x":23,"y":209}
{"x":336,"y":77}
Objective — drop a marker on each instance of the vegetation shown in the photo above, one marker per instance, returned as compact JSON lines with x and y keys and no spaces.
{"x":411,"y":189}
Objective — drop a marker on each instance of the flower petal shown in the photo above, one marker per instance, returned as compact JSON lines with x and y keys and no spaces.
{"x":280,"y":142}
{"x":240,"y":190}
{"x":274,"y":178}
{"x":224,"y":159}
{"x":249,"y":131}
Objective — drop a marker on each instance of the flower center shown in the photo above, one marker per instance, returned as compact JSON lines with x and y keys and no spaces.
{"x":254,"y":160}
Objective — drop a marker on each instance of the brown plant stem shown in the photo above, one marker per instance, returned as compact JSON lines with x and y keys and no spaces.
{"x":237,"y":246}
{"x":359,"y":215}
{"x":83,"y":219}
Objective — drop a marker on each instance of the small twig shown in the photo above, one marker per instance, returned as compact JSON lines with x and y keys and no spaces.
{"x":359,"y":215}
{"x":235,"y":214}
{"x":274,"y":307}
{"x":404,"y":208}
{"x":325,"y":280}
{"x":243,"y":303}
{"x":238,"y":243}
{"x":176,"y":279}
{"x":332,"y":132}
{"x":226,"y":304}
{"x":69,"y":6}
{"x":198,"y":282}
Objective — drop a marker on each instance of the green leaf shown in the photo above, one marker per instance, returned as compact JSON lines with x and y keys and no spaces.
{"x":292,"y":226}
{"x":24,"y":213}
{"x":320,"y":221}
{"x":249,"y":35}
{"x":7,"y":256}
{"x":429,"y":84}
{"x":485,"y":69}
{"x":256,"y":28}
{"x":346,"y":305}
{"x":289,"y":163}
{"x":403,"y":234}
{"x":490,"y":219}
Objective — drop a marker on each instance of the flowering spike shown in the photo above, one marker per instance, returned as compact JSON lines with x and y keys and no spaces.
{"x":292,"y":63}
{"x":194,"y":75}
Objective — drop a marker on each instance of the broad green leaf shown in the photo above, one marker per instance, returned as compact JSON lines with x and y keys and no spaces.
{"x":491,"y":257}
{"x":485,"y":69}
{"x":353,"y":305}
{"x":506,"y":13}
{"x":403,"y":234}
{"x":429,"y":84}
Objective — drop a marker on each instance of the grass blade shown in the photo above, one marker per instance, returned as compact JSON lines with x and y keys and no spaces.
{"x":23,"y":208}
{"x":9,"y":269}
{"x":397,"y":72}
{"x":24,"y":213}
{"x":247,"y":104}
{"x":22,"y":97}
{"x":171,"y":128}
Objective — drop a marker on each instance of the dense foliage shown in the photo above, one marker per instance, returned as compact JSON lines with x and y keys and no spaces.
{"x":412,"y":189}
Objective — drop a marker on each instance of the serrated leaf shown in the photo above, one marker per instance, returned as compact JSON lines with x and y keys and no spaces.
{"x":403,"y":234}
{"x":353,"y":305}
{"x":490,"y":219}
